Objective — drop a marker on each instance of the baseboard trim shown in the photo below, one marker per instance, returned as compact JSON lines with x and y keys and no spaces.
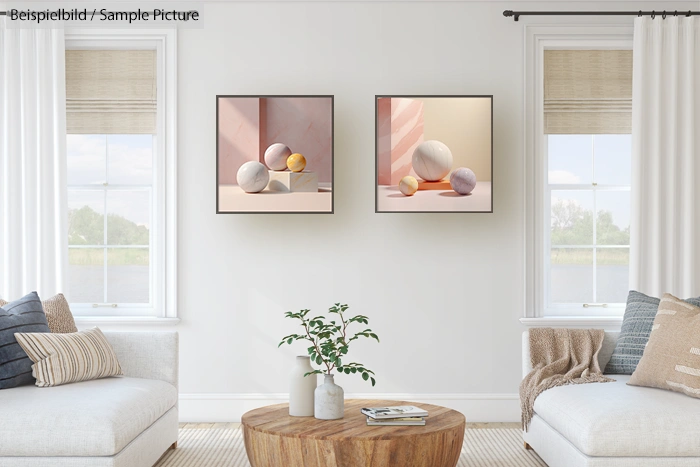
{"x":229,"y":407}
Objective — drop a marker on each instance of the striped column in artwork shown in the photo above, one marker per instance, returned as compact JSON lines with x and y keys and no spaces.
{"x":399,"y":132}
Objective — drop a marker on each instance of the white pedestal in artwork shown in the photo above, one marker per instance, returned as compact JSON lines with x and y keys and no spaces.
{"x":293,"y":182}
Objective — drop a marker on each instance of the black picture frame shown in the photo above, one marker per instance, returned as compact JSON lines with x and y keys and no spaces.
{"x":376,"y":148}
{"x":265,"y":96}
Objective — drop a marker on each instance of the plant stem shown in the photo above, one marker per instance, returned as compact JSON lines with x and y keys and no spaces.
{"x":345,"y":325}
{"x":318,"y":351}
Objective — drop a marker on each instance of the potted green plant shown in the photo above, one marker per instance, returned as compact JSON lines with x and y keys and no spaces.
{"x":330,"y":341}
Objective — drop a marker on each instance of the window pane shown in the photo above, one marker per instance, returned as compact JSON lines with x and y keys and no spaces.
{"x":613,"y":159}
{"x":86,"y":159}
{"x":130,"y":159}
{"x":572,"y":217}
{"x":570,"y":159}
{"x":571,"y":275}
{"x":612,"y":275}
{"x":128,"y":278}
{"x":613,"y":219}
{"x":85,"y":217}
{"x":86,"y":275}
{"x":129,"y":217}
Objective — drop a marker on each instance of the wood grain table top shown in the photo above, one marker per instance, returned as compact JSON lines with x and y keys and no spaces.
{"x":275,"y":419}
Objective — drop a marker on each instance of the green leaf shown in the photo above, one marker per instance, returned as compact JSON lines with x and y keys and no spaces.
{"x":354,"y":370}
{"x":289,"y":341}
{"x":346,"y":370}
{"x":373,"y":381}
{"x":337,"y":361}
{"x":365,"y":376}
{"x":319,"y":360}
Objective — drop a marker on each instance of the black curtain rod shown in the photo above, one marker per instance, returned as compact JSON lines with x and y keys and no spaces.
{"x":517,"y":14}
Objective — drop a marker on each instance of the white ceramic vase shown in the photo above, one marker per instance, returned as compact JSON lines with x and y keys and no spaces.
{"x":301,"y":389}
{"x":329,"y":400}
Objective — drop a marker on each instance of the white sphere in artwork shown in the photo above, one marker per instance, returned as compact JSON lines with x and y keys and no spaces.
{"x":276,"y":156}
{"x":253,"y":177}
{"x":463,"y":180}
{"x":432,"y":160}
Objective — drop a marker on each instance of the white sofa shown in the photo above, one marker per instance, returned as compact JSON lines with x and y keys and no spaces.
{"x":127,"y":421}
{"x":613,"y":424}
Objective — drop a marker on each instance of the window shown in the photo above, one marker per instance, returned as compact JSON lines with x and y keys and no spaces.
{"x":110,"y":219}
{"x":577,"y":174}
{"x":121,"y":173}
{"x":588,"y":202}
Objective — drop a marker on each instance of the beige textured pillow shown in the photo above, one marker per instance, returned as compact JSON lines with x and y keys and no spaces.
{"x":58,"y":314}
{"x":671,"y":358}
{"x":68,"y":358}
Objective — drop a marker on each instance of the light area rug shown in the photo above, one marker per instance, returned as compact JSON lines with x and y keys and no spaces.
{"x":214,"y":447}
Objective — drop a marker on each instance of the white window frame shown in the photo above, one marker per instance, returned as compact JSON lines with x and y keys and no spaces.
{"x":539,"y":38}
{"x":163,"y":247}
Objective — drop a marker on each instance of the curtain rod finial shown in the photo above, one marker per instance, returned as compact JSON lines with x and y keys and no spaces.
{"x":508,"y":13}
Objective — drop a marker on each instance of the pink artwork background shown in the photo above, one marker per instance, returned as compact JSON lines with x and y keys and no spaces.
{"x":400,"y":126}
{"x":239,"y":141}
{"x":246,"y":129}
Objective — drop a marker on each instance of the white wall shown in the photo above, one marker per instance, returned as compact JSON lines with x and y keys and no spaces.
{"x":443,"y":291}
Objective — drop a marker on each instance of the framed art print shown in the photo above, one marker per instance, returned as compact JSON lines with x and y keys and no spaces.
{"x":434,"y":154}
{"x":274,"y":154}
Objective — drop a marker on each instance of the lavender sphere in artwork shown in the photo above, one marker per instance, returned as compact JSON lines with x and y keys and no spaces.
{"x":253,"y":177}
{"x":432,"y":160}
{"x":276,"y":156}
{"x":463,"y":180}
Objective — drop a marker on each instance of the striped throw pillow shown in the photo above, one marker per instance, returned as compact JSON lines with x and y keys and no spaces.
{"x":634,"y":335}
{"x":68,"y":358}
{"x":23,"y":315}
{"x":58,"y":313}
{"x":671,"y":359}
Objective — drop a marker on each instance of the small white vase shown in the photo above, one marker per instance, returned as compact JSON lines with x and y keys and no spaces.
{"x":329,"y":400}
{"x":301,"y":389}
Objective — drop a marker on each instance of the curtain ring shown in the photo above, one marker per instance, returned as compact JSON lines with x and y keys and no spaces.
{"x":688,"y":15}
{"x":664,"y":15}
{"x":640,"y":14}
{"x":653,"y":14}
{"x":675,"y":13}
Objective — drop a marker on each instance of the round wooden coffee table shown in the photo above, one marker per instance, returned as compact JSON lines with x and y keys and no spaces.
{"x":274,"y":439}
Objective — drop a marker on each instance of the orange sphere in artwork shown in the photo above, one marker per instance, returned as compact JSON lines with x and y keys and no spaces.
{"x":296,"y":162}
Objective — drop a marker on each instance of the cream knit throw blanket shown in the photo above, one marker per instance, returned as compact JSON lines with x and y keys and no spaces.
{"x":560,"y":357}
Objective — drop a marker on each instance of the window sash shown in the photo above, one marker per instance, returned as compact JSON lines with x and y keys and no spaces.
{"x":106,"y":246}
{"x":573,"y":309}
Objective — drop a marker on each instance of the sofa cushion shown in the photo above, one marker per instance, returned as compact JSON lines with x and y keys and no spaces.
{"x":69,"y":357}
{"x":91,"y":418}
{"x":614,"y":419}
{"x":58,"y":313}
{"x":23,"y":315}
{"x":671,"y":359}
{"x":636,"y":327}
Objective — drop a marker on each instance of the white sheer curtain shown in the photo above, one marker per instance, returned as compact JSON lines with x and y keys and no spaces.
{"x":33,"y":218}
{"x":665,"y":228}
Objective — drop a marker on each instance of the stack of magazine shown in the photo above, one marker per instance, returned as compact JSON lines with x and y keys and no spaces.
{"x":403,"y":415}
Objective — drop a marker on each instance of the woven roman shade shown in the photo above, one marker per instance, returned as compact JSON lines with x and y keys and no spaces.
{"x":587,"y":91}
{"x":111,"y":91}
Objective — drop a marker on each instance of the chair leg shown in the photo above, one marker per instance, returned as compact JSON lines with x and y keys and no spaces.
{"x":527,"y":446}
{"x":174,"y":445}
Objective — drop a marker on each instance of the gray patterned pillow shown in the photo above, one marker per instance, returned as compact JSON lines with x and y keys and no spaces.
{"x":634,"y":335}
{"x":23,"y":315}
